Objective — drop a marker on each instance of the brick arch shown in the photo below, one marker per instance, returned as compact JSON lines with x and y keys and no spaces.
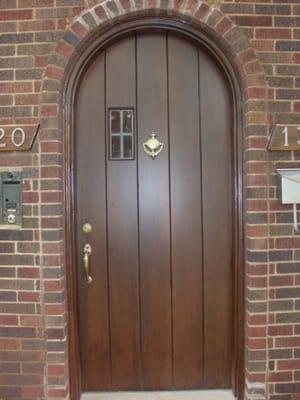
{"x":233,"y":43}
{"x":205,"y":17}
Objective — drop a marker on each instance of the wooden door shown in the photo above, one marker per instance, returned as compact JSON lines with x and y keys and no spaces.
{"x":159,"y":311}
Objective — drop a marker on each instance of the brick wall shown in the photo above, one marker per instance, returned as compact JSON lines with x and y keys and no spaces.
{"x":38,"y":37}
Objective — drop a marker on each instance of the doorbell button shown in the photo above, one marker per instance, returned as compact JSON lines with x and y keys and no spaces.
{"x":11,"y":218}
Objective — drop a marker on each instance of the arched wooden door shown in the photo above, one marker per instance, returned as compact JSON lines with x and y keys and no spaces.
{"x":158,"y":313}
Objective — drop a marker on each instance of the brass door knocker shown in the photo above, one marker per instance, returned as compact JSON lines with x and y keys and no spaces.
{"x":153,"y":146}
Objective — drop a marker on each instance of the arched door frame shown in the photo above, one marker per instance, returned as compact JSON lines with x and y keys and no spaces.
{"x":92,"y":46}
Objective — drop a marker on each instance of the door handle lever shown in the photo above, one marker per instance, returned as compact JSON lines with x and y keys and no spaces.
{"x":87,"y":251}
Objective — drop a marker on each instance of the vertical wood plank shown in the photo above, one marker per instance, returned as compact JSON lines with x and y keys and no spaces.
{"x":90,"y":207}
{"x":122,"y":229}
{"x":217,"y":161}
{"x":185,"y":189}
{"x":154,"y":213}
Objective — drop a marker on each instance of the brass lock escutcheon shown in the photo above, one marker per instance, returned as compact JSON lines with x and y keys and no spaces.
{"x":153,"y":146}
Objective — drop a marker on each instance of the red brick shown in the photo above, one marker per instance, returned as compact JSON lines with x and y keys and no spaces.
{"x":256,"y":319}
{"x":32,"y":297}
{"x":256,"y":168}
{"x":79,"y":29}
{"x":279,"y":280}
{"x":56,"y":369}
{"x":31,"y":320}
{"x":280,"y":376}
{"x":256,"y":93}
{"x":26,"y":99}
{"x":8,"y":320}
{"x":54,"y":309}
{"x":202,"y":11}
{"x":288,"y":364}
{"x":53,"y":285}
{"x":28,"y":272}
{"x":257,"y":282}
{"x":223,"y":26}
{"x":287,"y":342}
{"x":33,"y":392}
{"x":49,"y":248}
{"x":9,"y":344}
{"x":273,"y":33}
{"x":256,"y":205}
{"x":65,"y":49}
{"x":256,"y":180}
{"x":40,"y":25}
{"x":54,"y":72}
{"x":256,"y":331}
{"x":247,"y":20}
{"x":280,"y":330}
{"x":51,"y":197}
{"x":12,"y":15}
{"x":57,"y":393}
{"x":30,"y":197}
{"x":51,"y":147}
{"x":49,"y":110}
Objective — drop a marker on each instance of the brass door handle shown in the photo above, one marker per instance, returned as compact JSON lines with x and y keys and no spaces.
{"x":87,"y":251}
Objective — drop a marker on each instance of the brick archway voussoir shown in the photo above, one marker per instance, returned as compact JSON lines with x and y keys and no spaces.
{"x":218,"y":26}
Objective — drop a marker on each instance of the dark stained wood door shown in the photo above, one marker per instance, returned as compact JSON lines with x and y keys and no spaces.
{"x":159,"y":311}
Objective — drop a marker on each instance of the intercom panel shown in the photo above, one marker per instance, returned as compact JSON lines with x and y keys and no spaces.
{"x":10,"y":192}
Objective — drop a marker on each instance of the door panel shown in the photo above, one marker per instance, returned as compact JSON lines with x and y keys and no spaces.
{"x":216,"y":133}
{"x":185,"y":186}
{"x":91,"y":207}
{"x":159,"y":312}
{"x":154,"y":213}
{"x":122,"y":230}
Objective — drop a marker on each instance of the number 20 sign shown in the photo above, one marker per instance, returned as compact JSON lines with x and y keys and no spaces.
{"x":17,"y":138}
{"x":284,"y":138}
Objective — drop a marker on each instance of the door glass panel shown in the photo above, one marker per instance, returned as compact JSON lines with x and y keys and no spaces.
{"x":116,"y":147}
{"x":115,"y":122}
{"x":127,"y":146}
{"x":121,"y":134}
{"x":127,"y":121}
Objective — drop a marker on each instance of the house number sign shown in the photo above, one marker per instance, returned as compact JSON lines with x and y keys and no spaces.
{"x":284,"y":138}
{"x":17,"y":138}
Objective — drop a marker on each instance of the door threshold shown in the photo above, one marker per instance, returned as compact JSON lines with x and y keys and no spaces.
{"x":162,"y":395}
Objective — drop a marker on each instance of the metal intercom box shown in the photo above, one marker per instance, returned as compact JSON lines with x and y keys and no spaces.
{"x":10,"y":197}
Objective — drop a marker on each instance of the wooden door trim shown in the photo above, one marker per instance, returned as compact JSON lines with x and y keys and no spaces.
{"x":92,"y":46}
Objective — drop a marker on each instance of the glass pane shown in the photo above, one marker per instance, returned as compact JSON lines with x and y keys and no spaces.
{"x":128,"y":150}
{"x":127,"y":121}
{"x":121,"y":134}
{"x":115,"y":122}
{"x":116,"y":146}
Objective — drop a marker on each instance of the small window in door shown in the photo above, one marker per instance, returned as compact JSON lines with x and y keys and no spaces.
{"x":121,"y":133}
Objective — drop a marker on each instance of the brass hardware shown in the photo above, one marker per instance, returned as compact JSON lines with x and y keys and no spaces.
{"x":87,"y":228}
{"x":153,"y":146}
{"x":87,"y":251}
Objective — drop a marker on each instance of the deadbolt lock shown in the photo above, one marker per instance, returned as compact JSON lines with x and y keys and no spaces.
{"x":87,"y":228}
